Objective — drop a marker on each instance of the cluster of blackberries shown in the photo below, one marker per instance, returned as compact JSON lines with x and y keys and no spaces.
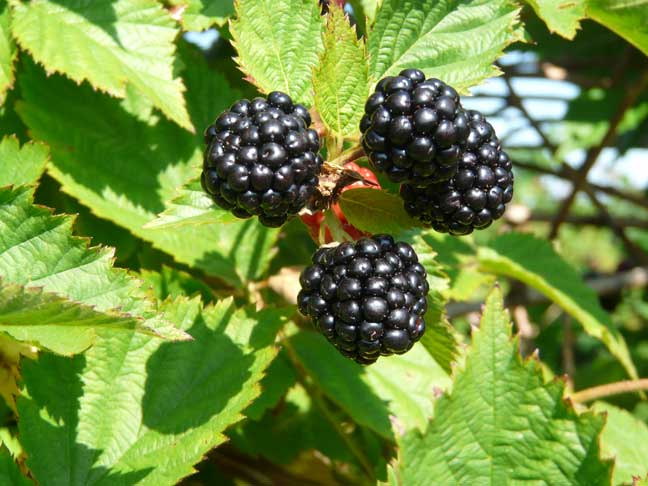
{"x":368,"y":298}
{"x":455,"y":175}
{"x":262,"y":159}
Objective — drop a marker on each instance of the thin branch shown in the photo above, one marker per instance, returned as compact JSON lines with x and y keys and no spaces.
{"x":603,"y":285}
{"x":597,"y":220}
{"x":603,"y":391}
{"x":566,"y":173}
{"x":593,"y":153}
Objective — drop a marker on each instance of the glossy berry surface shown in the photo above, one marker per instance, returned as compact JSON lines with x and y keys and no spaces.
{"x":366,"y":297}
{"x":476,"y":195}
{"x":262,"y":159}
{"x":316,"y":222}
{"x":413,"y":127}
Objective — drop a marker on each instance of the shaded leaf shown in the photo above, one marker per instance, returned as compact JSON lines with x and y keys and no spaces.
{"x":456,"y":41}
{"x":341,"y":81}
{"x":625,"y":439}
{"x":21,"y":165}
{"x":375,"y":211}
{"x":502,"y":424}
{"x":10,"y":474}
{"x":549,"y":274}
{"x":134,"y":411}
{"x":118,"y":43}
{"x":278,"y":43}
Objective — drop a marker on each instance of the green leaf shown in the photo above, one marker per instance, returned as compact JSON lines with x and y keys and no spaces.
{"x":10,"y":474}
{"x":625,"y":439}
{"x":342,"y":381}
{"x":561,"y":16}
{"x":440,"y":339}
{"x":375,"y":211}
{"x":455,"y":41}
{"x":52,"y":322}
{"x":21,"y":165}
{"x":502,"y":424}
{"x":202,"y":14}
{"x":341,"y":81}
{"x":124,"y":168}
{"x":174,"y":283}
{"x":550,"y":275}
{"x":410,"y":383}
{"x":37,"y":250}
{"x":192,"y":207}
{"x":278,"y":44}
{"x":118,"y":43}
{"x":279,"y":378}
{"x":627,"y":18}
{"x":134,"y":411}
{"x":8,"y":52}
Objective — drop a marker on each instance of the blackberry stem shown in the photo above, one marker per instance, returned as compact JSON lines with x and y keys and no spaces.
{"x":616,"y":388}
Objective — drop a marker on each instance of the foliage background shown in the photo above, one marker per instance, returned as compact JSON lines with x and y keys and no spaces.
{"x":149,"y":338}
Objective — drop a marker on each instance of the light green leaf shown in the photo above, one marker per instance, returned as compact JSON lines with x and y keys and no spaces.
{"x":52,"y":322}
{"x":278,"y":44}
{"x":192,"y":207}
{"x":10,"y":474}
{"x":202,"y":14}
{"x":37,"y":250}
{"x":8,"y":52}
{"x":375,"y":211}
{"x":625,"y":439}
{"x":549,"y":274}
{"x":628,"y":18}
{"x":440,"y":339}
{"x":409,"y":383}
{"x":21,"y":165}
{"x":368,"y":8}
{"x":134,"y":411}
{"x":561,"y":16}
{"x":341,"y":81}
{"x":502,"y":424}
{"x":124,"y":168}
{"x":342,"y":381}
{"x":455,"y":41}
{"x":116,"y":43}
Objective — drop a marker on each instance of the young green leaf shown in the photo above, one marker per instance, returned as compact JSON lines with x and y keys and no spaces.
{"x":561,"y":16}
{"x":21,"y":165}
{"x":192,"y":207}
{"x":132,"y":410}
{"x":375,"y":211}
{"x":125,"y":168}
{"x":502,"y":424}
{"x":198,"y":15}
{"x":455,"y":41}
{"x":341,"y":81}
{"x":8,"y":52}
{"x":52,"y":322}
{"x":625,"y":17}
{"x":625,"y":439}
{"x":37,"y":250}
{"x":549,"y":274}
{"x":278,"y":43}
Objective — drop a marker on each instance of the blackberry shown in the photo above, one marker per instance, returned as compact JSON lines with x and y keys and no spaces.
{"x":262,"y":159}
{"x":476,"y":195}
{"x":367,"y":298}
{"x":413,"y":127}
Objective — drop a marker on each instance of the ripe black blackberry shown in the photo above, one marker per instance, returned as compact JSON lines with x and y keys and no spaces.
{"x":262,"y":159}
{"x":367,"y":297}
{"x":413,"y":127}
{"x":476,"y":195}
